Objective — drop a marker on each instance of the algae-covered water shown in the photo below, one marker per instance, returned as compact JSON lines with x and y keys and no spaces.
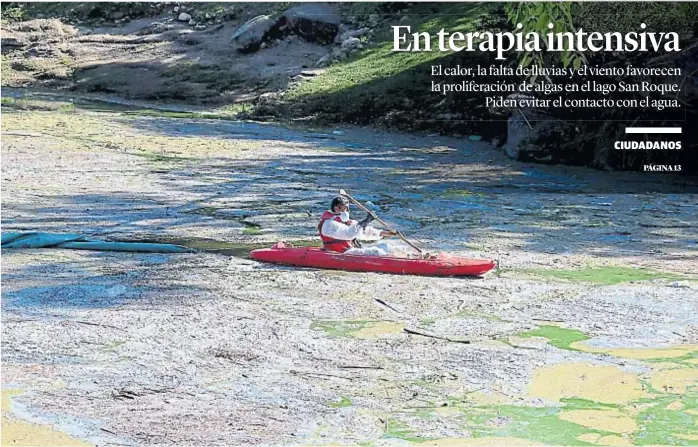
{"x":585,"y":335}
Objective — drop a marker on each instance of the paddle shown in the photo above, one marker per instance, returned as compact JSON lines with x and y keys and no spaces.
{"x":356,"y":202}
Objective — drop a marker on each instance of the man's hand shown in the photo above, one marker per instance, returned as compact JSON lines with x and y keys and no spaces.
{"x":388,"y":233}
{"x":367,"y":220}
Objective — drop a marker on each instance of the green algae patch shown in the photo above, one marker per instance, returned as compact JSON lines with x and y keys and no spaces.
{"x":427,"y":321}
{"x":113,"y":346}
{"x":339,"y":328}
{"x":533,"y":423}
{"x":557,"y":336}
{"x":29,"y":104}
{"x":88,"y":131}
{"x":203,"y":211}
{"x":400,"y":430}
{"x":661,"y":421}
{"x":586,"y":404}
{"x":343,"y":403}
{"x":488,"y":317}
{"x":595,"y":404}
{"x":251,"y":229}
{"x":608,"y":275}
{"x":680,"y":355}
{"x":459,"y":194}
{"x":334,"y":149}
{"x":161,"y":158}
{"x":361,"y":329}
{"x":664,"y":423}
{"x":229,"y":114}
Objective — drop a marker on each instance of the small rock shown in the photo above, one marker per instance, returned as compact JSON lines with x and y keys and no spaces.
{"x":116,"y":15}
{"x":176,"y":9}
{"x":192,"y":22}
{"x":12,"y":42}
{"x":200,"y":27}
{"x":268,"y":97}
{"x":353,"y":33}
{"x":207,"y":16}
{"x":184,"y":17}
{"x":681,"y":284}
{"x":352,"y":44}
{"x":337,"y":132}
{"x":312,"y":73}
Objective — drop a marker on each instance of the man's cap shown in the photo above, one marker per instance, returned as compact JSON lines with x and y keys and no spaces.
{"x":337,"y":201}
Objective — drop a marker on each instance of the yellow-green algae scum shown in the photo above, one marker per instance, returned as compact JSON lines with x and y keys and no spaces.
{"x":598,"y":404}
{"x":582,"y":403}
{"x":16,"y":432}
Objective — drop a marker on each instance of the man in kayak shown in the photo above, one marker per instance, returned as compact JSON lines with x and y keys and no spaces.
{"x":341,"y":234}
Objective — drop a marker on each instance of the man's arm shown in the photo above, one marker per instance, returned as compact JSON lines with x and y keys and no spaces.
{"x":340,"y":231}
{"x":343,"y":232}
{"x":371,"y":234}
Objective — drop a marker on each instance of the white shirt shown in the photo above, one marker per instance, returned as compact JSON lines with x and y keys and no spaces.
{"x":343,"y":232}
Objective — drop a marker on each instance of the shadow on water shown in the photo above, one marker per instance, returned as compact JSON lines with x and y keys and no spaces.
{"x":444,"y":188}
{"x":207,"y":245}
{"x":44,"y":100}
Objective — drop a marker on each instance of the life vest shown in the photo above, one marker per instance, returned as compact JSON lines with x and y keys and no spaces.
{"x":329,"y":243}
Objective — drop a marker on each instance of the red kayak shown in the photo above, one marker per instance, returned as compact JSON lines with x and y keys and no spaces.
{"x":441,"y":265}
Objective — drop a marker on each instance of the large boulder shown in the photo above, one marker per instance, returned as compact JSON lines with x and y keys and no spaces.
{"x":250,"y":36}
{"x":314,"y":22}
{"x":534,"y":136}
{"x":524,"y":129}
